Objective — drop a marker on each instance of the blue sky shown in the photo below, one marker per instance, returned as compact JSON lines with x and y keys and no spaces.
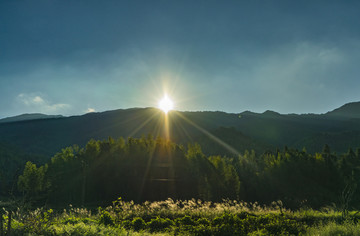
{"x":71,"y":57}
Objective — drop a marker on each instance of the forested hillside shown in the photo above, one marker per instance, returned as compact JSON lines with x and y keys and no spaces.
{"x":155,"y":169}
{"x":247,"y":156}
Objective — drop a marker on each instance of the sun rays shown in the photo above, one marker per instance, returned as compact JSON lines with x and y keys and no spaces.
{"x":172,"y":126}
{"x":208,"y":134}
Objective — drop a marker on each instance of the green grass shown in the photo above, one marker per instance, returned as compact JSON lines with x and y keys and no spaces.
{"x":192,"y":217}
{"x":335,"y":229}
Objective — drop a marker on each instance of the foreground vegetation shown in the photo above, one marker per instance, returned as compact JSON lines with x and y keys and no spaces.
{"x":146,"y":171}
{"x":192,"y":217}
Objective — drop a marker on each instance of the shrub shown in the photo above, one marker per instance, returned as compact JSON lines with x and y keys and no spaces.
{"x":159,"y":224}
{"x":186,"y":220}
{"x":106,"y":219}
{"x":203,"y":221}
{"x":71,"y":220}
{"x":138,"y":224}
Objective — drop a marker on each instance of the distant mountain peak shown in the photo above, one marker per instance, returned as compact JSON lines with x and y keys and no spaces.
{"x":349,"y":110}
{"x":269,"y":113}
{"x":29,"y":116}
{"x":249,"y":113}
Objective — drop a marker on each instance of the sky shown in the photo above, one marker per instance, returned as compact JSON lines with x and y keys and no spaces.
{"x":72,"y":57}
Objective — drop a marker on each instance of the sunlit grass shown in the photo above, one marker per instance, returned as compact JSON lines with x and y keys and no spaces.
{"x":335,"y":229}
{"x":188,"y":217}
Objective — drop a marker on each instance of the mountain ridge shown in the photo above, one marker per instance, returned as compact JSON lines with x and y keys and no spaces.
{"x":348,"y":110}
{"x":29,"y":116}
{"x":246,"y":130}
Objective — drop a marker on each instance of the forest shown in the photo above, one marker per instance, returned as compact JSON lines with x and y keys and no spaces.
{"x":155,"y":169}
{"x":150,"y":184}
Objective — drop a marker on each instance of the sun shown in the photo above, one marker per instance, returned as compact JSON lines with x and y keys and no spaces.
{"x":166,"y":104}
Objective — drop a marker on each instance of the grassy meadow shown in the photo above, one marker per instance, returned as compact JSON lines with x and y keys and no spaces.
{"x":169,"y":217}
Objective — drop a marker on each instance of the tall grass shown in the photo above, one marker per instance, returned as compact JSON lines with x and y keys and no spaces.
{"x":191,"y":217}
{"x":335,"y":229}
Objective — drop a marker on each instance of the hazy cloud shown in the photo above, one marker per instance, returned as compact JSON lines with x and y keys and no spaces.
{"x":89,"y":110}
{"x":36,"y":103}
{"x":303,"y":77}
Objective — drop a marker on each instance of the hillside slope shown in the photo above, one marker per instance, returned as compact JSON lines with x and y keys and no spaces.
{"x":32,"y":116}
{"x":214,"y":130}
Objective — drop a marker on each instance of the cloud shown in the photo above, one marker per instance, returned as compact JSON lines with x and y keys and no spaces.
{"x":302,"y":77}
{"x":38,"y":99}
{"x":30,"y":100}
{"x":89,"y":110}
{"x":37,"y":103}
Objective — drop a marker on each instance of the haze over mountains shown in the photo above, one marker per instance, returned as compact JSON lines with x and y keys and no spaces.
{"x":217,"y":132}
{"x":32,"y":116}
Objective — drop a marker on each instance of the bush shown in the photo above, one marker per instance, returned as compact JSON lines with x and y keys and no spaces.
{"x":159,"y":224}
{"x":106,"y":219}
{"x":138,"y":224}
{"x":203,"y":221}
{"x":186,"y":220}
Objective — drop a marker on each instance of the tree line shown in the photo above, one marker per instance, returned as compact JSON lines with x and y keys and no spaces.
{"x":150,"y":168}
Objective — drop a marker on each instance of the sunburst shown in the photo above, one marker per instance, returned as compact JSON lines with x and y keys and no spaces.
{"x":165,"y":104}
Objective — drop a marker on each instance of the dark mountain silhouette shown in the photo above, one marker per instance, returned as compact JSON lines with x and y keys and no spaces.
{"x":271,"y":114}
{"x":50,"y":135}
{"x":217,"y":132}
{"x":349,"y":110}
{"x":32,"y":116}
